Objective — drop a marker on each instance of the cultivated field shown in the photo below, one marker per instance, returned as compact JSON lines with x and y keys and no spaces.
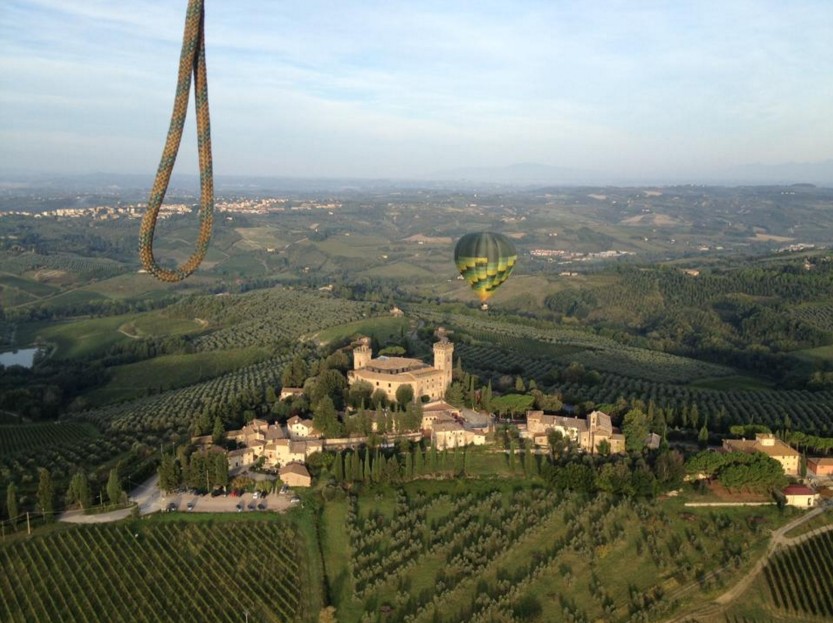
{"x":511,"y":551}
{"x":154,"y":570}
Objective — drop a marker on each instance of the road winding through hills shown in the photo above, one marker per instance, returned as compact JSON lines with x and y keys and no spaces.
{"x":778,"y":540}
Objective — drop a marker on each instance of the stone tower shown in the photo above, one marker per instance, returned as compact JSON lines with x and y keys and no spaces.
{"x":444,"y":359}
{"x":362,"y":354}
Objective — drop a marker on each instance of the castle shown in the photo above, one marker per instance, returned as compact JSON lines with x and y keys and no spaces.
{"x":390,"y":373}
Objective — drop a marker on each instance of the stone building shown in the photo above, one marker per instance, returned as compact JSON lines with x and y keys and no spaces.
{"x":770,"y":445}
{"x":587,"y":433}
{"x":390,"y":373}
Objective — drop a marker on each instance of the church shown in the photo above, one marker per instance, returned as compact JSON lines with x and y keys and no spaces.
{"x":390,"y":373}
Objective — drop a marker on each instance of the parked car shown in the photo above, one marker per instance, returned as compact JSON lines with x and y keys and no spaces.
{"x":171,"y":507}
{"x":239,"y":507}
{"x":256,"y":495}
{"x":190,"y":506}
{"x":261,"y":507}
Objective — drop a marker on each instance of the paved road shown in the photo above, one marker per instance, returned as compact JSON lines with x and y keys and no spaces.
{"x":80,"y":517}
{"x":150,"y":499}
{"x":147,"y":496}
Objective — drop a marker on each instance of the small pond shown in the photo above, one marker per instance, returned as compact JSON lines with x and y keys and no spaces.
{"x":20,"y":357}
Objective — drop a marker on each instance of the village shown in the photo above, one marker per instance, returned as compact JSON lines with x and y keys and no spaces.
{"x":282,"y":451}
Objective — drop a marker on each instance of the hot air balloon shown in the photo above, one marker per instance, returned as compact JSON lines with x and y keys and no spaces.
{"x":485,"y":260}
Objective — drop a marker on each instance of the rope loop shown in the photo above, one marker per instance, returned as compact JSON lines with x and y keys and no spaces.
{"x":191,"y":61}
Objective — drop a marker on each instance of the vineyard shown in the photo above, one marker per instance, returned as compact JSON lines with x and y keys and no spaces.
{"x":567,"y":345}
{"x":439,"y":552}
{"x":26,"y":438}
{"x":800,"y":578}
{"x":268,"y":316}
{"x":146,"y":421}
{"x":155,"y":571}
{"x":501,"y":348}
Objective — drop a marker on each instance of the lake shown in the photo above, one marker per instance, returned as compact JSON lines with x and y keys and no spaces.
{"x":20,"y":357}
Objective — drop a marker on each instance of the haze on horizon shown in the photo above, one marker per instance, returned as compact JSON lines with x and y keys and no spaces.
{"x":406,"y":90}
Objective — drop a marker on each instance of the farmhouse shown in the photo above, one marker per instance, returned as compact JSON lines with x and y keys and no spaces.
{"x":436,"y":412}
{"x":770,"y":445}
{"x":299,"y":428}
{"x":241,"y":457}
{"x":820,"y":467}
{"x":454,"y":435}
{"x":390,"y":373}
{"x":256,"y":431}
{"x":295,"y":475}
{"x":801,"y":496}
{"x":587,"y":433}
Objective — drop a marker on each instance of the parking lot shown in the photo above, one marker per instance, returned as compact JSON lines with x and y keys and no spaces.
{"x":246,"y":503}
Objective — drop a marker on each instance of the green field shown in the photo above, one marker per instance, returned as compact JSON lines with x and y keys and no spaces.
{"x":820,"y":354}
{"x":172,"y":371}
{"x":87,"y":336}
{"x":29,"y":286}
{"x":382,"y":329}
{"x":75,"y":338}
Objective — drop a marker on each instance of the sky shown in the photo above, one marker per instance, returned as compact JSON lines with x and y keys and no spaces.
{"x":389,"y":89}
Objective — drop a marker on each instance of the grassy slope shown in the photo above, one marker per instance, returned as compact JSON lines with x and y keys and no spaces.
{"x":172,"y":371}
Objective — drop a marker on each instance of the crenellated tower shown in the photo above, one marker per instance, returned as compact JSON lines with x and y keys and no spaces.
{"x":362,"y":354}
{"x":444,"y":359}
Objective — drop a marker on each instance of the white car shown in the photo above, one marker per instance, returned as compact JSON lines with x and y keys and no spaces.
{"x":256,"y":495}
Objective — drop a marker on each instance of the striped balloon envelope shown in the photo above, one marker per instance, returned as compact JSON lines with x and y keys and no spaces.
{"x":485,"y":260}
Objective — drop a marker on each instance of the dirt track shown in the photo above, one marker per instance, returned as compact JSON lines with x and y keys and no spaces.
{"x":777,"y":541}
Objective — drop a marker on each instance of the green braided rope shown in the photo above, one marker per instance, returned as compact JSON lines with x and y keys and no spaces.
{"x":191,"y":60}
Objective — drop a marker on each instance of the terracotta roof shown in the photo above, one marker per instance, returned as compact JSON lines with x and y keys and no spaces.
{"x":778,"y":449}
{"x":387,"y":364}
{"x":294,"y":468}
{"x":799,"y":490}
{"x":440,"y":427}
{"x":438,"y":405}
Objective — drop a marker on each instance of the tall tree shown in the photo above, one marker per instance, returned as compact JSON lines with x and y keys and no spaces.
{"x":170,"y":474}
{"x":220,"y":470}
{"x":114,"y":490}
{"x":11,"y":503}
{"x":635,"y":429}
{"x":325,"y":418}
{"x":294,"y":373}
{"x":454,"y":394}
{"x":218,"y":433}
{"x":79,"y":490}
{"x":379,"y":398}
{"x":46,"y":492}
{"x":359,"y":394}
{"x":703,"y":437}
{"x":486,"y":397}
{"x":404,"y":395}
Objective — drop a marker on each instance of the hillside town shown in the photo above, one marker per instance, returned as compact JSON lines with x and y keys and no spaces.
{"x":285,"y":448}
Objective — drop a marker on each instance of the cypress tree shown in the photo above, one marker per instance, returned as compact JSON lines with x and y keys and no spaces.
{"x":46,"y":492}
{"x":11,"y":503}
{"x":114,"y":486}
